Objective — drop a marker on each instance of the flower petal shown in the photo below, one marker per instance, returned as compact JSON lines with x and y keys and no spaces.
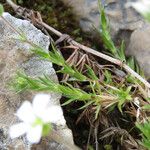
{"x":40,"y":103}
{"x":53,"y":114}
{"x":34,"y":134}
{"x":17,"y":130}
{"x":25,"y":112}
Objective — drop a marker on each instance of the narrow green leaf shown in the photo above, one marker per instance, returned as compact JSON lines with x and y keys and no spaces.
{"x":97,"y":111}
{"x":108,"y":77}
{"x":122,"y":52}
{"x":1,"y":9}
{"x":41,"y":53}
{"x":86,"y":105}
{"x":68,"y":102}
{"x":103,"y":19}
{"x":145,"y":129}
{"x":146,"y":107}
{"x":73,"y":73}
{"x":91,"y":73}
{"x":131,"y":63}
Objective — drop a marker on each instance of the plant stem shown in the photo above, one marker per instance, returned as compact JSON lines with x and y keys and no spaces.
{"x":101,"y":55}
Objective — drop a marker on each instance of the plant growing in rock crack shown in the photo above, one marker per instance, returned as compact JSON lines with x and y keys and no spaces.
{"x":94,"y":95}
{"x":97,"y":96}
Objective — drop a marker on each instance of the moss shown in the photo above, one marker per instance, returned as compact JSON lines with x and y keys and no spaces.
{"x":56,"y":14}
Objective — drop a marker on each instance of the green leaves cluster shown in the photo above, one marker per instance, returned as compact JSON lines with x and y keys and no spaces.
{"x":95,"y":92}
{"x":106,"y":37}
{"x":145,"y":129}
{"x":24,"y":82}
{"x":123,"y":96}
{"x":94,"y":95}
{"x":55,"y":57}
{"x":114,"y":51}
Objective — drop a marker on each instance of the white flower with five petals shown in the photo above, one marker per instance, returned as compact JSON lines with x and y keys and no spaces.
{"x":36,"y":118}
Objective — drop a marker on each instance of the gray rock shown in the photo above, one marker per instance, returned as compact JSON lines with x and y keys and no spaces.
{"x":15,"y":55}
{"x":120,"y":18}
{"x":140,"y":47}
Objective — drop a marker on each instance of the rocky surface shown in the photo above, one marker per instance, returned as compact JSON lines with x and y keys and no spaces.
{"x":121,"y":18}
{"x":15,"y":55}
{"x":140,"y":47}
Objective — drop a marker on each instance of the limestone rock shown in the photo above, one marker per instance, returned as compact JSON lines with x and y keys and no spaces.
{"x":16,"y":55}
{"x":140,"y":47}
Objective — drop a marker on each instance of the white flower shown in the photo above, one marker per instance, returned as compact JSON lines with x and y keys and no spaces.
{"x":36,"y":118}
{"x":142,"y":6}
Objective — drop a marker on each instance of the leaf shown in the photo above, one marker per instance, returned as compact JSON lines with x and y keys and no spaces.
{"x":108,"y":43}
{"x":103,"y":19}
{"x":122,"y":52}
{"x":40,"y":52}
{"x":123,"y":97}
{"x":1,"y":9}
{"x":91,"y":73}
{"x":97,"y":111}
{"x":68,"y":102}
{"x":53,"y":56}
{"x":148,"y":99}
{"x":86,"y":104}
{"x":146,"y":107}
{"x":46,"y":129}
{"x":108,"y":77}
{"x":145,"y":129}
{"x":131,"y":63}
{"x":138,"y":69}
{"x":104,"y":32}
{"x":73,"y":73}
